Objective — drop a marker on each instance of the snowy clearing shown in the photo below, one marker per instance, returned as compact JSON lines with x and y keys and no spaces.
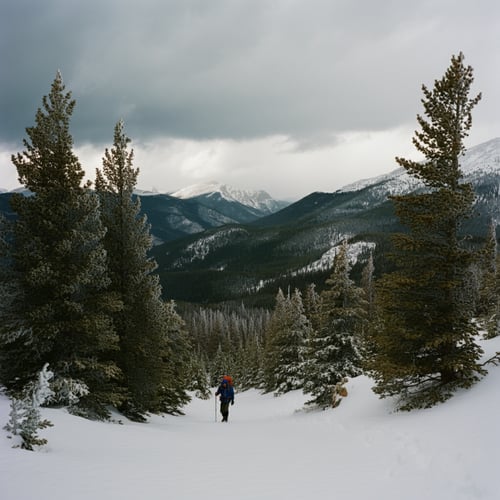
{"x":271,"y":449}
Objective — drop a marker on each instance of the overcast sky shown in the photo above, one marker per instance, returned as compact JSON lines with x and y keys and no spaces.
{"x":289,"y":96}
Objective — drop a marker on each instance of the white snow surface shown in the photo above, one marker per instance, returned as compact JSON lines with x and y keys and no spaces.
{"x":325,"y":262}
{"x":270,"y":449}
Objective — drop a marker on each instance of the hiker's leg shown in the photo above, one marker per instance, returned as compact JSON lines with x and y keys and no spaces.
{"x":224,"y":409}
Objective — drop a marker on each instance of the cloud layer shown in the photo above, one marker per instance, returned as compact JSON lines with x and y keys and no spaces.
{"x":251,"y":72}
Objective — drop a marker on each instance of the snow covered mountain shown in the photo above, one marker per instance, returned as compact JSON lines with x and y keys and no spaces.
{"x":295,"y":245}
{"x":479,"y":161}
{"x":192,"y":211}
{"x":258,"y":200}
{"x":210,"y":228}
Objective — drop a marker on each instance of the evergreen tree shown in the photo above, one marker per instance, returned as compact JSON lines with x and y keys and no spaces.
{"x":222,"y":364}
{"x":290,"y":343}
{"x":277,"y":325}
{"x":333,"y":347}
{"x":198,"y":377}
{"x":312,"y":305}
{"x":488,"y":295}
{"x":142,"y":324}
{"x":61,"y":264}
{"x":25,"y":419}
{"x":425,"y":345}
{"x":177,"y":356}
{"x":251,"y":356}
{"x":494,"y":321}
{"x":368,"y":286}
{"x":283,"y":359}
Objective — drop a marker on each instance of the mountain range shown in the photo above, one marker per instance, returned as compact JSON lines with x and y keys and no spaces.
{"x":216,"y":243}
{"x":193,"y":209}
{"x":296,"y":245}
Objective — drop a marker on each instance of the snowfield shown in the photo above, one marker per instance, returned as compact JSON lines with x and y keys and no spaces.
{"x":271,"y":449}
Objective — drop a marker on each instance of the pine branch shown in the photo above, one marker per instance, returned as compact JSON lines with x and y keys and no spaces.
{"x":494,"y":360}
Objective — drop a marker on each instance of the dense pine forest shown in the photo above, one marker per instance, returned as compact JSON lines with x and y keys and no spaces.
{"x":84,"y":323}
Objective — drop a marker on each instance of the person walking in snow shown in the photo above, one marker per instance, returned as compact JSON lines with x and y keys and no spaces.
{"x":226,"y":393}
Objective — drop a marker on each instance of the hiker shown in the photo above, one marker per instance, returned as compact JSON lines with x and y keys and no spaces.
{"x":226,"y":393}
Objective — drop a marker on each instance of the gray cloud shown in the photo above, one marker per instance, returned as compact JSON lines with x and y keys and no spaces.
{"x":309,"y":72}
{"x":236,"y":69}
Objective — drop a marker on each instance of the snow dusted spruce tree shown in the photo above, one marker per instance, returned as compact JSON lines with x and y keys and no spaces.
{"x":277,"y":324}
{"x":173,"y":394}
{"x":249,"y":372}
{"x":289,"y":373}
{"x":61,"y":263}
{"x":332,"y":352}
{"x":25,"y":419}
{"x":199,"y":377}
{"x":312,"y":305}
{"x":145,"y":354}
{"x":368,"y":286}
{"x":284,"y":350}
{"x":425,"y":347}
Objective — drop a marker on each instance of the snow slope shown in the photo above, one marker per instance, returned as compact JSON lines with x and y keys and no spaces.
{"x":478,"y":160}
{"x":271,"y":449}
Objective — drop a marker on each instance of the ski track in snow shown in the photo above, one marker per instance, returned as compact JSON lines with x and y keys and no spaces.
{"x":272,"y":448}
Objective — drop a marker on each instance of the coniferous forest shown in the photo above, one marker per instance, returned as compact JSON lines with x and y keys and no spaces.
{"x":84,"y":323}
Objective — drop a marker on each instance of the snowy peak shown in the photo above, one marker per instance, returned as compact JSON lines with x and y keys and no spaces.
{"x":478,"y":161}
{"x":364,"y":183}
{"x":197,"y":190}
{"x":259,"y":200}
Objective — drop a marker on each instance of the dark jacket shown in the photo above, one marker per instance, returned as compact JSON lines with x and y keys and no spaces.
{"x":226,"y":392}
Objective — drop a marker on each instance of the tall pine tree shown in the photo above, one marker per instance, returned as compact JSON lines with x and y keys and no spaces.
{"x":61,"y":264}
{"x":425,"y":345}
{"x":289,"y":372}
{"x":143,"y":324}
{"x":333,"y":347}
{"x":284,"y":345}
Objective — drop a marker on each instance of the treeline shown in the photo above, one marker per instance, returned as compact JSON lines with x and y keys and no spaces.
{"x":228,"y":340}
{"x":311,"y":341}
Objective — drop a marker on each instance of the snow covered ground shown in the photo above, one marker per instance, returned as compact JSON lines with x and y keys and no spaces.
{"x":271,"y":449}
